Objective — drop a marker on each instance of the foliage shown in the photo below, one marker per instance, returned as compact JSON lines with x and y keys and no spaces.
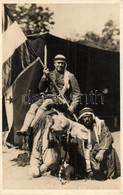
{"x":33,"y":18}
{"x":109,"y":39}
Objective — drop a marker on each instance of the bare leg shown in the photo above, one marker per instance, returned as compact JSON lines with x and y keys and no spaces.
{"x":35,"y":161}
{"x":41,"y":111}
{"x":28,"y":119}
{"x":87,"y":160}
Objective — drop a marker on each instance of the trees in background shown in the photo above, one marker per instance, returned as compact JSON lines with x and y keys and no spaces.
{"x":33,"y":18}
{"x":109,"y":38}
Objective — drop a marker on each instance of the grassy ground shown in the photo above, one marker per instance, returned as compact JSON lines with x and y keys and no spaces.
{"x":15,"y":177}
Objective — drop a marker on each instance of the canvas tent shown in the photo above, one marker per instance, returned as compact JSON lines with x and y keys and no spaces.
{"x":95,"y":70}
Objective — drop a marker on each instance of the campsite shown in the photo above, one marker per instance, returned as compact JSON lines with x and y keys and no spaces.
{"x":97,"y":71}
{"x":85,"y":64}
{"x":35,"y":70}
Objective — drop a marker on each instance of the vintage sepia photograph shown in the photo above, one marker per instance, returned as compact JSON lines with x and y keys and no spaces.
{"x":61,"y":116}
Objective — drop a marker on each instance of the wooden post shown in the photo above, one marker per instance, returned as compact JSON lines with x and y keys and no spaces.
{"x":45,"y":55}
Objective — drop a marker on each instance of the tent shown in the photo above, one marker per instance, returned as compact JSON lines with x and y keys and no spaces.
{"x":97,"y":72}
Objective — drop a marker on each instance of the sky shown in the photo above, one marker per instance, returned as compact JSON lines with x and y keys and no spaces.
{"x":81,"y":18}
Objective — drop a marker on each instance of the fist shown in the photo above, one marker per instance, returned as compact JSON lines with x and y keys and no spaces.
{"x":71,"y":109}
{"x":46,"y":72}
{"x":99,"y":156}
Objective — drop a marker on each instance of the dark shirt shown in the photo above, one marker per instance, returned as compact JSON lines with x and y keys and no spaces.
{"x":72,"y":94}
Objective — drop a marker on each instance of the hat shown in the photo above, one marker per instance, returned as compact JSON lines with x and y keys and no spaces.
{"x":60,"y":57}
{"x":85,"y":111}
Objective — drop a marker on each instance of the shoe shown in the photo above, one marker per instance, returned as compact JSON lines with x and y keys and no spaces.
{"x":22,"y":133}
{"x":90,"y":176}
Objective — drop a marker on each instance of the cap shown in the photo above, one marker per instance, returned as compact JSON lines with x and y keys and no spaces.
{"x":60,"y":57}
{"x":85,"y":111}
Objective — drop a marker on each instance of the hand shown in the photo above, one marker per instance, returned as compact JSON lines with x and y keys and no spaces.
{"x":99,"y":156}
{"x":46,"y":72}
{"x":71,"y":109}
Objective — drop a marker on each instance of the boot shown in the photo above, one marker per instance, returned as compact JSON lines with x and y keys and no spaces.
{"x":89,"y":175}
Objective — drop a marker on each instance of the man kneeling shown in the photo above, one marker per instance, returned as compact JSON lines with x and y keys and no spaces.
{"x":103,"y":157}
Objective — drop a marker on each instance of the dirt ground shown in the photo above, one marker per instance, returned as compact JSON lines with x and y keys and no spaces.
{"x":15,"y":177}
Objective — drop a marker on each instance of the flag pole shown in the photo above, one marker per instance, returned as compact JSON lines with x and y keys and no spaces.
{"x":45,"y":55}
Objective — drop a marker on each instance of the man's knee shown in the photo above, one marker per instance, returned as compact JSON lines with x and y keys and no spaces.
{"x":33,"y":109}
{"x":46,"y":103}
{"x":34,"y":172}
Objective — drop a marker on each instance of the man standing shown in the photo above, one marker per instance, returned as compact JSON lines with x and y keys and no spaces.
{"x":67,"y":85}
{"x":104,"y":162}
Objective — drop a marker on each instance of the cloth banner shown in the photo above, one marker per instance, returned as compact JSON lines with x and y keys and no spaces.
{"x":12,"y":38}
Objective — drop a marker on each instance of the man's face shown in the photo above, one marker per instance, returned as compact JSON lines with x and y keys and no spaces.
{"x":87,"y":120}
{"x":60,"y":65}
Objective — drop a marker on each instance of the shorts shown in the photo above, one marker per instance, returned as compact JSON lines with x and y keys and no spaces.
{"x":55,"y":100}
